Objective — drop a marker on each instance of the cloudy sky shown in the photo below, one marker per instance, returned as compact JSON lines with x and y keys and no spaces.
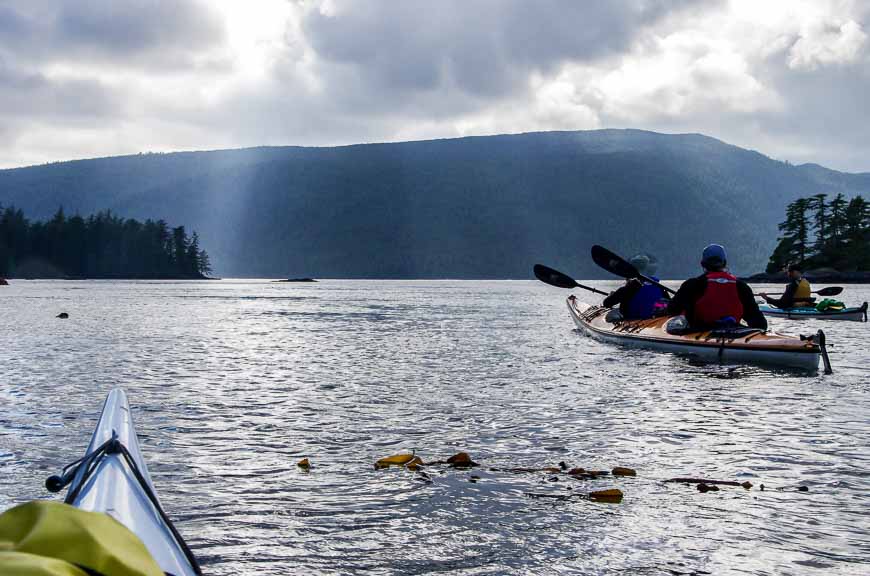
{"x":85,"y":78}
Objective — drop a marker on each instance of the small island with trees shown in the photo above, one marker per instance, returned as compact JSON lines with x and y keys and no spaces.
{"x":100,"y":246}
{"x":830,"y":240}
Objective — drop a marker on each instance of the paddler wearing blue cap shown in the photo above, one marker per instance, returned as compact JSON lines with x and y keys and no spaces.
{"x":716,"y":298}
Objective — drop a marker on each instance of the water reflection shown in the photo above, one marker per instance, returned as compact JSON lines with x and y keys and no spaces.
{"x":233,"y":382}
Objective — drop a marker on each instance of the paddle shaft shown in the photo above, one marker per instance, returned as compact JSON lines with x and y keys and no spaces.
{"x":618,"y":265}
{"x":829,"y":291}
{"x":654,"y":283}
{"x":591,"y":289}
{"x":555,"y":278}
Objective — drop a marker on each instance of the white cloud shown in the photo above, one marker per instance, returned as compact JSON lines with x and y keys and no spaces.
{"x":824,"y":44}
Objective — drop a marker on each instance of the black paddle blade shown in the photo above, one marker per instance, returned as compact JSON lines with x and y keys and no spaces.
{"x":613,"y":263}
{"x":830,"y":291}
{"x":553,"y":277}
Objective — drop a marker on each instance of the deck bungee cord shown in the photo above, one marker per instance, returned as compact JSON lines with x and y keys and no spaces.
{"x":82,"y":470}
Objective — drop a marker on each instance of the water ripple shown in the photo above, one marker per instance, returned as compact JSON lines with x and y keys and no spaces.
{"x":233,"y":382}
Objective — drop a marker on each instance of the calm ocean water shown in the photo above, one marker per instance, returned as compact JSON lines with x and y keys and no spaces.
{"x":232,"y":382}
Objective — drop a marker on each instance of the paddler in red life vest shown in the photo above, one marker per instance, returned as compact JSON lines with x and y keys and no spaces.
{"x":798,"y":291}
{"x":716,"y":299}
{"x":637,"y":299}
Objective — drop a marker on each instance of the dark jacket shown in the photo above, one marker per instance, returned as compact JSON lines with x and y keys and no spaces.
{"x":787,"y":299}
{"x":635,"y":299}
{"x":692,"y":289}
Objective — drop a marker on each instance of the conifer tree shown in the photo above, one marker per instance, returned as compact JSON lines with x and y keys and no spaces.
{"x":820,"y":221}
{"x":842,"y":235}
{"x":837,"y":220}
{"x":102,"y":245}
{"x":793,"y":244}
{"x":204,"y":263}
{"x":192,"y":256}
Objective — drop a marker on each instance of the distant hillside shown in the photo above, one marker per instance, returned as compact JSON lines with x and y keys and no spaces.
{"x":485,"y":207}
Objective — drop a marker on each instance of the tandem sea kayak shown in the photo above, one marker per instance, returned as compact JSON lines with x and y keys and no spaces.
{"x":112,"y":477}
{"x":744,"y":345}
{"x":857,"y":314}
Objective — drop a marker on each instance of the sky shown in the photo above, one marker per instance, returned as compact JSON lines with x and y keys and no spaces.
{"x":90,"y":78}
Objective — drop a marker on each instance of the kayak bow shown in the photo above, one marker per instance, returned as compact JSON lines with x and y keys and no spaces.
{"x":112,"y":477}
{"x":743,"y":346}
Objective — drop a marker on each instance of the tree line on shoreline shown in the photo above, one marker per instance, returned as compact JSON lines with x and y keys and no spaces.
{"x":818,"y":233}
{"x":101,"y":245}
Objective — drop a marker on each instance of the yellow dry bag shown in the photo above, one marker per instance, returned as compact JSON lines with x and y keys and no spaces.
{"x":46,"y":538}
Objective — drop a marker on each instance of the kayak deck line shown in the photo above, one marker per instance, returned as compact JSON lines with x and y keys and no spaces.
{"x":112,"y":477}
{"x":748,"y":345}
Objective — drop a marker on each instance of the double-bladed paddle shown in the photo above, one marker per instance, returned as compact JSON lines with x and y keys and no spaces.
{"x":615,"y":264}
{"x":829,"y":291}
{"x":555,"y":278}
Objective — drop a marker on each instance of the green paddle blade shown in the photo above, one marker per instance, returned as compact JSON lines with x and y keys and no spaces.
{"x":553,"y":277}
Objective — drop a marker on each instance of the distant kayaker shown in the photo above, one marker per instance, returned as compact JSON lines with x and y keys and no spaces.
{"x":716,"y":297}
{"x":637,"y":299}
{"x":798,"y":292}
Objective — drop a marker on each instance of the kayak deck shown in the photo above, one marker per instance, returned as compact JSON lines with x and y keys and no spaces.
{"x":856,"y":314}
{"x":108,"y":482}
{"x":749,"y":346}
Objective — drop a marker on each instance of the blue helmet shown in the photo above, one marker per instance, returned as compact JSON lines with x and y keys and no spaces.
{"x":714,"y":256}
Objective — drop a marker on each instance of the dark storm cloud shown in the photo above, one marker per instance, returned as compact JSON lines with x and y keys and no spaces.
{"x":130,"y":32}
{"x":59,"y":62}
{"x":486,"y":48}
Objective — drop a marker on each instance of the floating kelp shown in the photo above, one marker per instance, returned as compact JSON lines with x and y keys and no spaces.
{"x":395,"y":460}
{"x":461,"y":460}
{"x":746,"y":484}
{"x":415,"y":463}
{"x":546,"y":470}
{"x":613,"y":495}
{"x":576,"y":472}
{"x":458,"y":460}
{"x":583,"y":474}
{"x":610,"y":496}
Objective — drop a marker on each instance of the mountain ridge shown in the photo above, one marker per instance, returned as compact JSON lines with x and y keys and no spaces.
{"x":468,"y":207}
{"x":383,"y":143}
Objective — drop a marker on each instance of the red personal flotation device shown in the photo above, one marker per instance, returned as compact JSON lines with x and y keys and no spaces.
{"x":720,"y":300}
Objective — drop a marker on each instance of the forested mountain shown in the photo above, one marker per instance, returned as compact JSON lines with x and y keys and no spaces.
{"x":471,"y":207}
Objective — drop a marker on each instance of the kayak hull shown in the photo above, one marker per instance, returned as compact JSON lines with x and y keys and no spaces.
{"x":758,"y":348}
{"x":857,"y":314}
{"x":112,"y":488}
